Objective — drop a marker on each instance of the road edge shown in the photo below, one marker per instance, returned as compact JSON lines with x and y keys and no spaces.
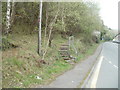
{"x":91,"y":70}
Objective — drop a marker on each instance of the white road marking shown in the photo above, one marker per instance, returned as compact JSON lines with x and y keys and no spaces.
{"x":115,"y":66}
{"x":110,"y":62}
{"x":96,"y":73}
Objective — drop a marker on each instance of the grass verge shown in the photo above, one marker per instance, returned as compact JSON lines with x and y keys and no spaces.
{"x":22,"y":69}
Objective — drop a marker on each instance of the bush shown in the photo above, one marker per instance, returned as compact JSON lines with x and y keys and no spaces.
{"x":6,"y":44}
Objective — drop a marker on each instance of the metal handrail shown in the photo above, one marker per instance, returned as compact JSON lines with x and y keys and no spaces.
{"x":71,"y":42}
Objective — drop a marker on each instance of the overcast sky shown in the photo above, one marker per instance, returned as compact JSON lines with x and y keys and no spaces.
{"x":109,"y":12}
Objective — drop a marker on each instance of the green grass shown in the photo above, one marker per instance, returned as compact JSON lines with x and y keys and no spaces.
{"x":15,"y":61}
{"x":20,"y":68}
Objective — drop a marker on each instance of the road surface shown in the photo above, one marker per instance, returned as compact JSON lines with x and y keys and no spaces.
{"x":105,"y":74}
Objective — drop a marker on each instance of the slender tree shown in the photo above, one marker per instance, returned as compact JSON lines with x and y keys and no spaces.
{"x":50,"y":32}
{"x":46,"y":24}
{"x":13,"y":12}
{"x":8,"y":17}
{"x":39,"y":36}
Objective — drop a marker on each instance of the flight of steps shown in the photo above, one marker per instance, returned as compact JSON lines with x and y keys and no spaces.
{"x":64,"y":51}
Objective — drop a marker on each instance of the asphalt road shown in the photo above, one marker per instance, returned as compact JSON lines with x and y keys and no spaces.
{"x":105,"y":74}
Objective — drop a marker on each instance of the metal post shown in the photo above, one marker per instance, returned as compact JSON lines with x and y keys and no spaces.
{"x":69,"y":42}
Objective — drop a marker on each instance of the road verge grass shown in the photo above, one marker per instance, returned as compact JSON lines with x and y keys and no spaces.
{"x":21,"y":68}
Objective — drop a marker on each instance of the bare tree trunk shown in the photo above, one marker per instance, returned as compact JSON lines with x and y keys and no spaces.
{"x":39,"y":34}
{"x":63,"y":22}
{"x":51,"y":27}
{"x":12,"y":13}
{"x":46,"y":25}
{"x":63,"y":26}
{"x":8,"y":17}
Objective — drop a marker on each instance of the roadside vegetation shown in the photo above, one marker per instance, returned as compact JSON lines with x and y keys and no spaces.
{"x":22,"y":66}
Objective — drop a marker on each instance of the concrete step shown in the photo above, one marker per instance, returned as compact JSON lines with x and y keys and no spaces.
{"x":65,"y":55}
{"x":63,"y":50}
{"x":66,"y":58}
{"x":65,"y":45}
